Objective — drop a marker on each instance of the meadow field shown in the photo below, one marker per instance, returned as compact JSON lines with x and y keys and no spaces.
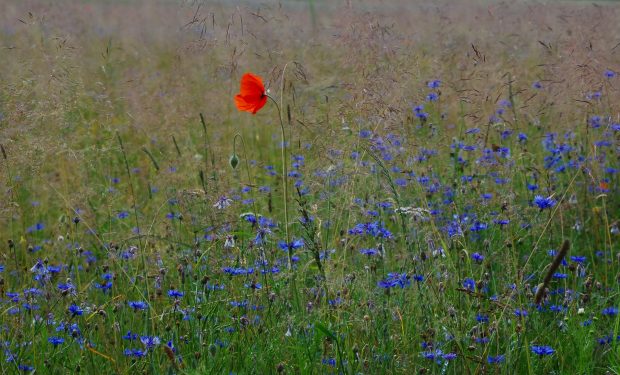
{"x":400,"y":187}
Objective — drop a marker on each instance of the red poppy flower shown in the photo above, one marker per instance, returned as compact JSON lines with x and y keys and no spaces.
{"x":252,"y":96}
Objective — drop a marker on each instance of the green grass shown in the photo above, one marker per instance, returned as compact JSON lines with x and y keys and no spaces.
{"x":109,"y":182}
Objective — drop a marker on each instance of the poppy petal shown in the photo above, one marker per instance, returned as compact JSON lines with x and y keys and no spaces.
{"x":242,"y":104}
{"x":260,"y":104}
{"x":251,"y":97}
{"x":252,"y":85}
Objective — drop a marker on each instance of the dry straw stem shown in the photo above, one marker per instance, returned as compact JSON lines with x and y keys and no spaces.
{"x":540,"y":292}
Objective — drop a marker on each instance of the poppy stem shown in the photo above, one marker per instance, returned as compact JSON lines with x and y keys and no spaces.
{"x":284,"y":180}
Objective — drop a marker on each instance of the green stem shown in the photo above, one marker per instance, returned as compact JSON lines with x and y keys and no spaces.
{"x":284,"y":181}
{"x":142,"y":248}
{"x":247,"y":168}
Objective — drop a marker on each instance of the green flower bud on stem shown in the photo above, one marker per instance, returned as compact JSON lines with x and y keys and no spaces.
{"x":234,"y":161}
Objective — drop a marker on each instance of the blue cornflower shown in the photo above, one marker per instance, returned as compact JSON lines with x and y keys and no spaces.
{"x":497,"y":359}
{"x":393,"y":280}
{"x":75,"y":310}
{"x":557,"y":308}
{"x":130,"y":336}
{"x":578,"y":258}
{"x":595,"y":121}
{"x":239,"y":303}
{"x":520,"y":313}
{"x":369,"y":252}
{"x":123,"y":215}
{"x":335,"y":302}
{"x":501,"y":222}
{"x":295,"y":244}
{"x":138,"y":305}
{"x":478,"y":226}
{"x":537,"y":85}
{"x":66,"y":287}
{"x":375,"y":229}
{"x":542,"y":350}
{"x":477,"y":257}
{"x":149,"y":341}
{"x":54,"y":340}
{"x":433,"y":354}
{"x":35,"y":228}
{"x":610,"y":311}
{"x":170,"y":215}
{"x":172,"y":293}
{"x":543,"y":202}
{"x":135,"y":353}
{"x":238,"y":271}
{"x":586,"y":323}
{"x":434,"y":84}
{"x":449,"y":356}
{"x":610,"y":74}
{"x":422,"y":115}
{"x":469,"y":284}
{"x":254,"y":286}
{"x":13,"y":296}
{"x":605,"y":340}
{"x":105,"y":286}
{"x":432,"y":97}
{"x":365,"y":133}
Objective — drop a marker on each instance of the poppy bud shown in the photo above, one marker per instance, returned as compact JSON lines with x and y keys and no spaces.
{"x":234,"y":161}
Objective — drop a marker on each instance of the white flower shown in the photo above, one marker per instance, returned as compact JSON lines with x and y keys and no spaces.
{"x":230,"y":241}
{"x":418,"y":212}
{"x":223,"y":202}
